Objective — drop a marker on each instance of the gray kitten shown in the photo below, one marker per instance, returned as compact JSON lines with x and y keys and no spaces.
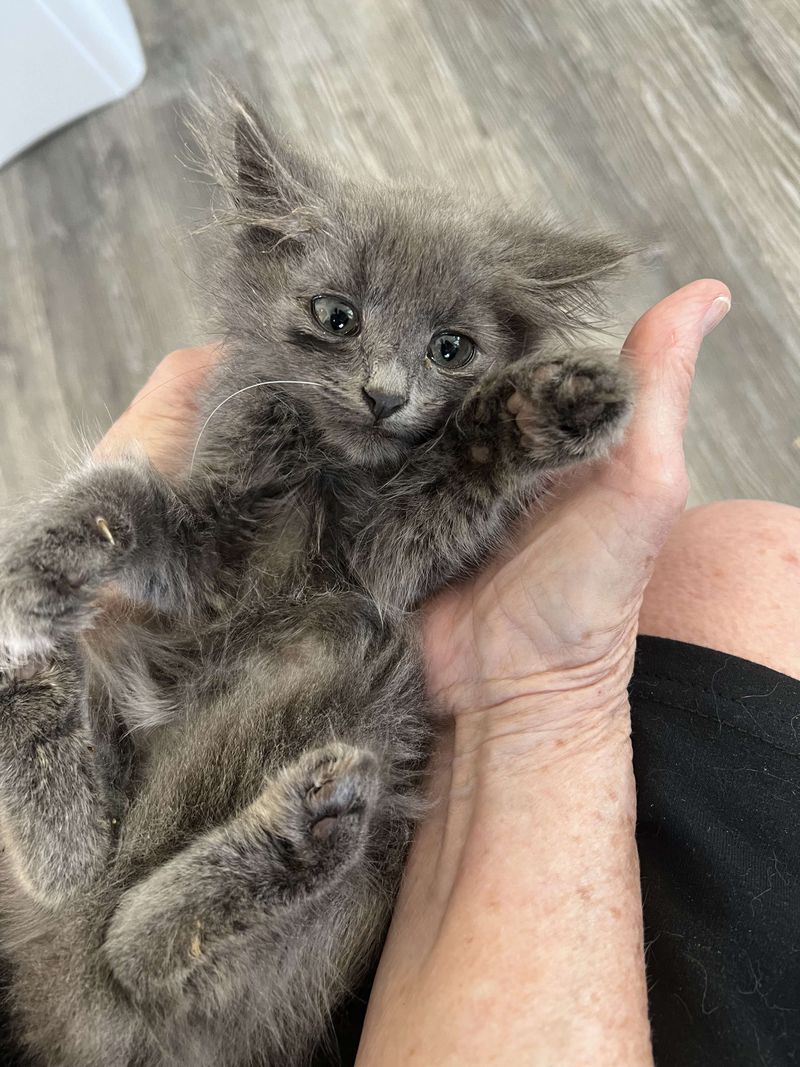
{"x":208,"y":784}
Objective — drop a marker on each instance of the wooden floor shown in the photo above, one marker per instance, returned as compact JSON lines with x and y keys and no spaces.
{"x":672,"y":120}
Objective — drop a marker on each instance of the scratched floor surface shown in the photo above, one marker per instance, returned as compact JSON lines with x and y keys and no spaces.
{"x":673,"y":120}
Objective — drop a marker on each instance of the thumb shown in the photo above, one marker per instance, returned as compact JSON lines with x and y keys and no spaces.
{"x":662,"y":349}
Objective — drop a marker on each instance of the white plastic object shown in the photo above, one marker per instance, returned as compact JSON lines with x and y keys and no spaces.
{"x":60,"y":59}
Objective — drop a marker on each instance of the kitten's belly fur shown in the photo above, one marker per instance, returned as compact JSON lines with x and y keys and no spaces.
{"x":308,"y":674}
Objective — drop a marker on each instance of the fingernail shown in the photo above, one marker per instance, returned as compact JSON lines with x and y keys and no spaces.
{"x":717,"y":310}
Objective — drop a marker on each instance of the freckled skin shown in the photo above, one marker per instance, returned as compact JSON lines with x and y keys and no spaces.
{"x":726,"y":579}
{"x":207,"y":789}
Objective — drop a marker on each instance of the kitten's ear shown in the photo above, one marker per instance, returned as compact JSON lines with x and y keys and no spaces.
{"x":559,"y":276}
{"x":278,"y":191}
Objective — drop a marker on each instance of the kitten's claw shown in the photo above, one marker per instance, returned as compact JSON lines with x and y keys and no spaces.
{"x":102,"y":526}
{"x":50,"y":573}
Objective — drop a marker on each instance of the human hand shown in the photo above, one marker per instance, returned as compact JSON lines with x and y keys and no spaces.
{"x":540,"y":645}
{"x":522,"y":886}
{"x":162,"y":417}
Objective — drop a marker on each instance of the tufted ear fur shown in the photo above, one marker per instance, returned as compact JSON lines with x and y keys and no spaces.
{"x":279,"y":192}
{"x":557,"y":276}
{"x":275,"y":182}
{"x":274,"y":194}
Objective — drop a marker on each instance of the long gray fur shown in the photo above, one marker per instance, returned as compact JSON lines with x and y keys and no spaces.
{"x":213,"y":717}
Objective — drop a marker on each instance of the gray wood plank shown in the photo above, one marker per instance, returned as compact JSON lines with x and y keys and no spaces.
{"x":674,"y":121}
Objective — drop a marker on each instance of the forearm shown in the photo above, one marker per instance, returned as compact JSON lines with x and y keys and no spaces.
{"x":518,"y":934}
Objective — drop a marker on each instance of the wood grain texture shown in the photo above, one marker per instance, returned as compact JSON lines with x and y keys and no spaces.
{"x":672,"y":120}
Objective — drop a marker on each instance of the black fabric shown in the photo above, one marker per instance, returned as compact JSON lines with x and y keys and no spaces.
{"x":716,"y":742}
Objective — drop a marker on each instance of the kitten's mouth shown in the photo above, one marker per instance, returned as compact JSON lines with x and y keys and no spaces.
{"x":398,"y":435}
{"x":378,"y":429}
{"x":382,"y":431}
{"x":372,"y":446}
{"x":370,"y":443}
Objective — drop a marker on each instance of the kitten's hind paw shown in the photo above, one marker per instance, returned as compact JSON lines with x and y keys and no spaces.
{"x":342,"y":790}
{"x":174,"y":933}
{"x":323,"y":806}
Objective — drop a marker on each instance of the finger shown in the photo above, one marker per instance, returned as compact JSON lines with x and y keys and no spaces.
{"x":662,"y":349}
{"x":162,"y":416}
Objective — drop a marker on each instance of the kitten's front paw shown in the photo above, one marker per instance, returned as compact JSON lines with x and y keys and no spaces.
{"x":571,"y":408}
{"x":50,"y":572}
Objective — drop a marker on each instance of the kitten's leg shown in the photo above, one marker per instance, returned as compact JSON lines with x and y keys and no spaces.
{"x":53,"y":811}
{"x":117,"y":521}
{"x":190,"y":933}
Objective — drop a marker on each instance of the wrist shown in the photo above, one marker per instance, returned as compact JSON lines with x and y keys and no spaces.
{"x":549,"y":718}
{"x":568,"y":702}
{"x":487,"y":774}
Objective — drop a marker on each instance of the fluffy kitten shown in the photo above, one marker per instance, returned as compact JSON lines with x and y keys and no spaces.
{"x":207,"y":787}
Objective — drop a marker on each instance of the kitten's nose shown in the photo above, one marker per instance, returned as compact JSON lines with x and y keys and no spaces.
{"x":383,"y":404}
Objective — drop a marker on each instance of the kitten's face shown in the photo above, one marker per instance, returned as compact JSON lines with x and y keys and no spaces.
{"x":395,"y":316}
{"x":388,"y":304}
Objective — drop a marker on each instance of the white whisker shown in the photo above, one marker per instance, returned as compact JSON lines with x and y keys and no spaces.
{"x":255,"y":385}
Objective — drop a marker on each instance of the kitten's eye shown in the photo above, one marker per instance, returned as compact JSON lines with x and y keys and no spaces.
{"x":335,"y":315}
{"x":450,"y":350}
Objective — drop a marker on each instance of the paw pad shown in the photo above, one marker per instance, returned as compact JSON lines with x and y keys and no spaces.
{"x":340,"y":788}
{"x":577,"y":403}
{"x":325,"y":827}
